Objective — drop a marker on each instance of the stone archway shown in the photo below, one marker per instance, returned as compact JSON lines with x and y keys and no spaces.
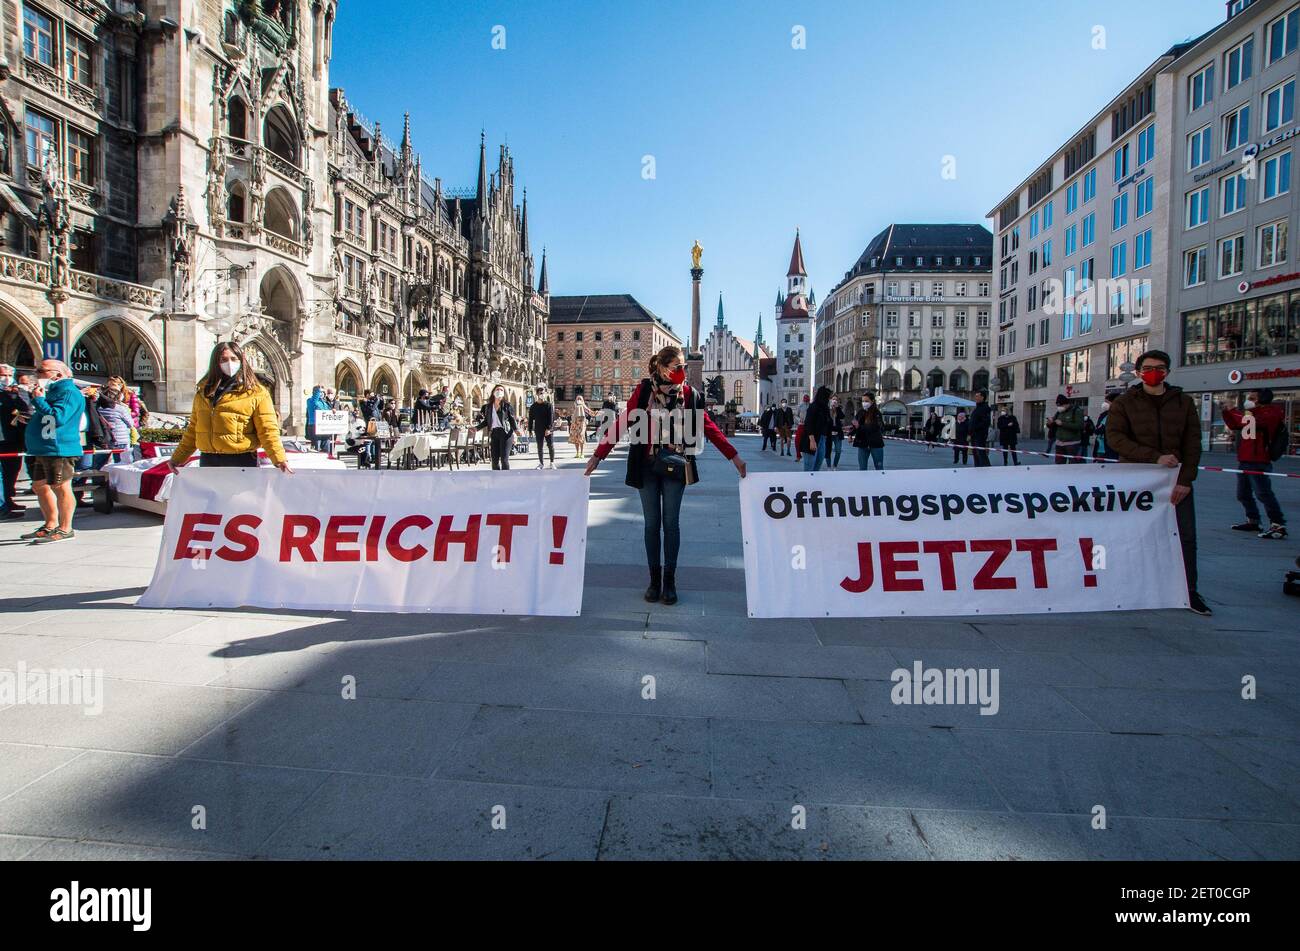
{"x":116,"y":345}
{"x":347,"y":382}
{"x":271,"y":365}
{"x":20,"y":335}
{"x":384,"y":382}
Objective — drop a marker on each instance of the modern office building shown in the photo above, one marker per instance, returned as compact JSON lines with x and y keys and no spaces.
{"x":1162,"y":223}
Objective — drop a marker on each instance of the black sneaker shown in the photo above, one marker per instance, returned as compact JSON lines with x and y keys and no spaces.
{"x":1198,"y":606}
{"x":1247,"y":527}
{"x":1274,"y":531}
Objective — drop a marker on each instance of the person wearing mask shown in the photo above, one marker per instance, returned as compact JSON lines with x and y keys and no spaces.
{"x":442,"y":406}
{"x":232,"y":416}
{"x":981,"y":421}
{"x":316,"y":404}
{"x":1155,"y":423}
{"x":933,"y":430}
{"x":784,"y":421}
{"x":1051,"y":435}
{"x":578,"y":426}
{"x":499,"y":421}
{"x":661,"y":461}
{"x":423,"y":417}
{"x":53,"y":445}
{"x":766,"y":427}
{"x":961,"y":439}
{"x":1067,"y":430}
{"x":838,"y":420}
{"x":816,"y":430}
{"x":15,"y":411}
{"x":1009,"y":436}
{"x":1102,"y":452}
{"x":392,"y":416}
{"x":1255,"y":424}
{"x":869,"y":435}
{"x":541,"y":421}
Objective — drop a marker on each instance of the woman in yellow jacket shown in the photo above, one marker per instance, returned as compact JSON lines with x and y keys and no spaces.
{"x":233,"y":415}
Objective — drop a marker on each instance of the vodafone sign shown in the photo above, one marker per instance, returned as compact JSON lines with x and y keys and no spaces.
{"x":1237,"y":376}
{"x":1247,"y":286}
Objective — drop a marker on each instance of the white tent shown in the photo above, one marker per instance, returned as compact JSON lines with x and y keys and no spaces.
{"x":943,"y":399}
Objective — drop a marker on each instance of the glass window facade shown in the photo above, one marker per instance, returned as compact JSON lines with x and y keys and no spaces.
{"x":1243,"y":330}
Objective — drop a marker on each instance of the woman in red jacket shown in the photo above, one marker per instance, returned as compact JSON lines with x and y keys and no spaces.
{"x":663,"y":420}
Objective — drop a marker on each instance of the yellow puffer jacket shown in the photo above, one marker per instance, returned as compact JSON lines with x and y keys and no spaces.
{"x":240,"y":422}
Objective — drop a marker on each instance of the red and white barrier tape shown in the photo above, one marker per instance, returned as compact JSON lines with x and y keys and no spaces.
{"x":88,"y":452}
{"x":1054,"y":455}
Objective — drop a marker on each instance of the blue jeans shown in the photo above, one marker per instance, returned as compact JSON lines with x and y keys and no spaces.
{"x":837,"y":447}
{"x":812,"y":462}
{"x":866,"y":456}
{"x":1250,"y":486}
{"x":661,"y":506}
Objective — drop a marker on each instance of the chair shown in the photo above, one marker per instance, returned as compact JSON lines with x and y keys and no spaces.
{"x":453,"y":441}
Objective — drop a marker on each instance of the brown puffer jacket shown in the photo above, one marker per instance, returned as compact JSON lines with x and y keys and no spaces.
{"x":1142,"y":428}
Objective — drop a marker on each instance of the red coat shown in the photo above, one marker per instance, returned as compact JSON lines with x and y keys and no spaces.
{"x":638,"y":456}
{"x":1268,"y":418}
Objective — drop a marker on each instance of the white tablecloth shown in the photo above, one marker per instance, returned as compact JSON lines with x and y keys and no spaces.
{"x":422,"y":445}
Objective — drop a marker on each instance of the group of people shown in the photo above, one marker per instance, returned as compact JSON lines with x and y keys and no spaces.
{"x":62,"y":429}
{"x":54,"y":422}
{"x":818,"y":428}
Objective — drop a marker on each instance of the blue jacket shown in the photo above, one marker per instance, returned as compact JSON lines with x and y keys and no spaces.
{"x":315,"y":402}
{"x":55,"y":426}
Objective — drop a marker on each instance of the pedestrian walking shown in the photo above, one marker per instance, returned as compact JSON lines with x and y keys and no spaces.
{"x":767,"y":428}
{"x":578,"y":426}
{"x":1009,"y":436}
{"x":838,"y":420}
{"x":233,"y":415}
{"x":784,"y":419}
{"x":661,"y":461}
{"x":499,"y":420}
{"x":53,"y":444}
{"x":961,"y":439}
{"x":816,"y":430}
{"x":1102,"y":452}
{"x":800,"y":419}
{"x":1067,"y":430}
{"x":1258,"y":424}
{"x":933,"y":430}
{"x":981,"y":421}
{"x":868,"y":434}
{"x":541,"y":422}
{"x":1155,"y":423}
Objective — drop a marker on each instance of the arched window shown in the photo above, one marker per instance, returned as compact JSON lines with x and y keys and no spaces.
{"x":738,"y":391}
{"x":913,"y":381}
{"x":935,"y":379}
{"x":236,"y":203}
{"x":281,"y":216}
{"x":238,"y":118}
{"x":890,"y":381}
{"x":280,"y":134}
{"x":981,"y":380}
{"x":958,"y":381}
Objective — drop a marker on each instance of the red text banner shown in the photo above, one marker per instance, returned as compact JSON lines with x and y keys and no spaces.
{"x":944,"y":542}
{"x":456,"y":543}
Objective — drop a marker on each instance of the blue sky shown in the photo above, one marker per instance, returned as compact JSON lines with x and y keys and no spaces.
{"x":751,"y":138}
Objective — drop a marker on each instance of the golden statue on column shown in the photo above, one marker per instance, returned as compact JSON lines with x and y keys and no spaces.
{"x":696,"y":252}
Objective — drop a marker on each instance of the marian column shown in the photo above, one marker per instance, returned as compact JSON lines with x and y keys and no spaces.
{"x":694,"y":358}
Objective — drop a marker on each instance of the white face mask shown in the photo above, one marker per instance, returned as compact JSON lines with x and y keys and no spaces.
{"x":230,"y":367}
{"x":866,"y":404}
{"x":1249,"y":404}
{"x":499,"y":395}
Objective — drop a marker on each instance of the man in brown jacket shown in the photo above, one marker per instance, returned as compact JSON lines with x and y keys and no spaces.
{"x":1158,"y":424}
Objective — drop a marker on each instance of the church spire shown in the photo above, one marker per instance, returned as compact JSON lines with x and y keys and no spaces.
{"x":482,"y":193}
{"x":543,"y":285}
{"x":722,"y":323}
{"x":758,"y":334}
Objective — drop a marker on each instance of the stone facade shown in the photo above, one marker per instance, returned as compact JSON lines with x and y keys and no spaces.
{"x":269,"y":211}
{"x":736,"y":360}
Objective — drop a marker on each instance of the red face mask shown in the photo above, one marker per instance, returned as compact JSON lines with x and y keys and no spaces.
{"x":1153,"y":377}
{"x":677,"y":377}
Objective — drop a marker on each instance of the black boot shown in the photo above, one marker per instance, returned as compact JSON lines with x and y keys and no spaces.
{"x":656,"y":578}
{"x":670,"y":586}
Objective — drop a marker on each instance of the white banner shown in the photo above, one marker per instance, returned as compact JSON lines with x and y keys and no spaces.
{"x":332,"y":422}
{"x":961,"y":542}
{"x":454,"y":543}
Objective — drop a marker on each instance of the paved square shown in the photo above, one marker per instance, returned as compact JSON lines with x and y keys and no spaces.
{"x":227,"y":733}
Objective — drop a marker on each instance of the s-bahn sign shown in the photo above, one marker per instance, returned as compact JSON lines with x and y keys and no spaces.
{"x":54,"y":339}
